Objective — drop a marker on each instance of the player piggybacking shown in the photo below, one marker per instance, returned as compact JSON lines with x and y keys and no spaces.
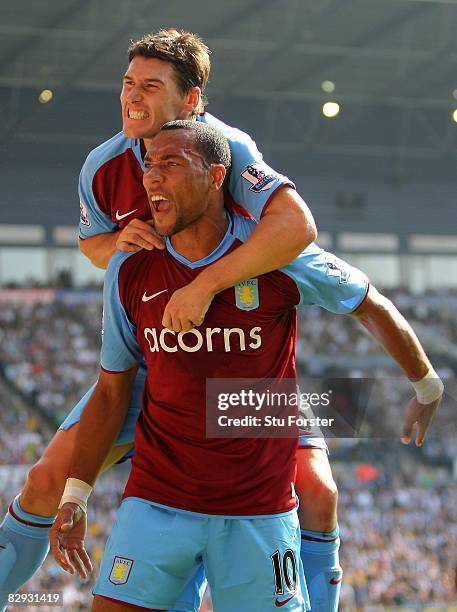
{"x":228,"y":504}
{"x":165,"y":78}
{"x":164,"y":81}
{"x":111,"y":190}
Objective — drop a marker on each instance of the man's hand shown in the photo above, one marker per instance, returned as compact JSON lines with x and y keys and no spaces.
{"x":187,"y":307}
{"x":418,"y":418}
{"x":139,"y":235}
{"x":67,"y":540}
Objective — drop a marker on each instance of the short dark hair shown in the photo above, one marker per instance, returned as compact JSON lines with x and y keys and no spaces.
{"x":185,"y":50}
{"x":211,"y":143}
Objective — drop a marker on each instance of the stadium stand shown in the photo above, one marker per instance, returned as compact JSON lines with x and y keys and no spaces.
{"x":379,"y":177}
{"x":398,"y":506}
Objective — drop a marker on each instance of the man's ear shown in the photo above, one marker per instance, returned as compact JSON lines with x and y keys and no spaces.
{"x":193,"y":101}
{"x":218,"y":172}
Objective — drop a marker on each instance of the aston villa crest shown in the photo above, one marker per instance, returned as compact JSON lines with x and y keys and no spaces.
{"x":247,"y":294}
{"x":120,"y":571}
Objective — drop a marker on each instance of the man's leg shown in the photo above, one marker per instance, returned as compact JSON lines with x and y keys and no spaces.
{"x":320,"y":543}
{"x":24,"y":533}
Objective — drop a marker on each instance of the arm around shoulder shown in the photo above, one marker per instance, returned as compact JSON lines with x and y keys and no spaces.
{"x":100,"y":248}
{"x":292,"y":221}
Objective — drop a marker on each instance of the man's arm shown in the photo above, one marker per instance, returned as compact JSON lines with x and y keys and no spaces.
{"x":99,"y":249}
{"x":385,"y":323}
{"x":329,"y":282}
{"x":393,"y":332}
{"x":136,"y":235}
{"x":98,"y":428}
{"x":286,"y":228}
{"x":101,"y":422}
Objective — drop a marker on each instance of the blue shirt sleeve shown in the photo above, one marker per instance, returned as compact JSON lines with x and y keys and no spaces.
{"x":251,"y":182}
{"x":325,"y":280}
{"x":92,"y":220}
{"x":120,"y":349}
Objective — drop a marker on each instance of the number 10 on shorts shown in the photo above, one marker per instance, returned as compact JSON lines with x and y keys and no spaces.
{"x":284,"y":571}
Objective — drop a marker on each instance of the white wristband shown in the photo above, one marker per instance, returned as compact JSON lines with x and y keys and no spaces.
{"x":429,"y":388}
{"x":77,"y":492}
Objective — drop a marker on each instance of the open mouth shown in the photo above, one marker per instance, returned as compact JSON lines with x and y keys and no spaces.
{"x":160,"y":203}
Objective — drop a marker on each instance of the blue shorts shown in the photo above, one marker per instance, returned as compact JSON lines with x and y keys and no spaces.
{"x":154,"y":553}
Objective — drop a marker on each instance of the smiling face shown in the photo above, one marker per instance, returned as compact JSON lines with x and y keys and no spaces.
{"x":150,"y":97}
{"x":178,"y":181}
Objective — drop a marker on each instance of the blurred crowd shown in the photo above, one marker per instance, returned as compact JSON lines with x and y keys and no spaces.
{"x":21,"y":437}
{"x":322,"y":332}
{"x":398,"y":521}
{"x":398,"y":533}
{"x":399,"y":546}
{"x":50,"y":352}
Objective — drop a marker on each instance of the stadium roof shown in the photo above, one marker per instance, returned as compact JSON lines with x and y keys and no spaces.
{"x":393,"y":64}
{"x":387,"y":158}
